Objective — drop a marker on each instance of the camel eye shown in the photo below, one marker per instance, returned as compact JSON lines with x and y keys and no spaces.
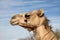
{"x":27,"y":16}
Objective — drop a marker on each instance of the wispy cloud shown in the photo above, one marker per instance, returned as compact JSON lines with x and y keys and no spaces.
{"x":55,"y":22}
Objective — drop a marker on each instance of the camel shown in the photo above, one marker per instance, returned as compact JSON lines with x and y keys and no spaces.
{"x":37,"y":22}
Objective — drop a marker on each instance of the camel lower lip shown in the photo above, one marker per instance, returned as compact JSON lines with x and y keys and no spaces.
{"x":14,"y":23}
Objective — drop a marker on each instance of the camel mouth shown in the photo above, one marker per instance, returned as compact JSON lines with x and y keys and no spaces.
{"x":23,"y":24}
{"x":26,"y":25}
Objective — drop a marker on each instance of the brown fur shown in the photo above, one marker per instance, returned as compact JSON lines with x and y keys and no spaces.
{"x":37,"y":22}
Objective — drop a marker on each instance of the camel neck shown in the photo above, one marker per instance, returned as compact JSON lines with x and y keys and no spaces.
{"x":40,"y":31}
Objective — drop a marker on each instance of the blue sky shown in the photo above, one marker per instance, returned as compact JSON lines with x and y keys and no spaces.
{"x":8,"y":8}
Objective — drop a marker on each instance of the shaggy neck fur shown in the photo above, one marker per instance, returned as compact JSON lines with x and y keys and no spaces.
{"x":44,"y":32}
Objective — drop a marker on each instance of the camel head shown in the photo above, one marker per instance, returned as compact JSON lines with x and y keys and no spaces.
{"x":29,"y":20}
{"x":18,"y":19}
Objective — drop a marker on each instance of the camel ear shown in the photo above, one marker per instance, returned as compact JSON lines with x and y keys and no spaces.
{"x":40,"y":12}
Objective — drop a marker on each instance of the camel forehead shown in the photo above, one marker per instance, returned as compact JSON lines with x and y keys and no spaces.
{"x":22,"y":13}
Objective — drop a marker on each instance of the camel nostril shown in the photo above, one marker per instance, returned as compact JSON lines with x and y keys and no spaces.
{"x":25,"y":20}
